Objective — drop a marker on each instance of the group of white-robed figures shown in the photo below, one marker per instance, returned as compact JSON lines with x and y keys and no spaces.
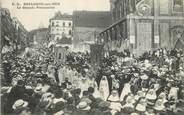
{"x":78,"y":81}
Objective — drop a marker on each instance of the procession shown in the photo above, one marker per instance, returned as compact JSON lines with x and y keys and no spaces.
{"x":119,"y":87}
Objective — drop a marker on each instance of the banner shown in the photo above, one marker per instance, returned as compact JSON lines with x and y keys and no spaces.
{"x":132,"y":39}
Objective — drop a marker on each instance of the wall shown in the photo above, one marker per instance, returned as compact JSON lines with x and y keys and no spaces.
{"x":82,"y":35}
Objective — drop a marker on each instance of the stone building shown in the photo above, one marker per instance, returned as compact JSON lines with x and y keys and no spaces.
{"x":21,"y":34}
{"x":87,"y":25}
{"x":61,"y":29}
{"x":7,"y":31}
{"x":143,"y":25}
{"x":13,"y":34}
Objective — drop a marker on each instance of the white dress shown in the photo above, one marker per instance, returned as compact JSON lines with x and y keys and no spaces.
{"x":61,"y":76}
{"x":104,"y":88}
{"x":96,"y":93}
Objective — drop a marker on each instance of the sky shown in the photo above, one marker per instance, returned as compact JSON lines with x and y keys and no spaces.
{"x":35,"y":18}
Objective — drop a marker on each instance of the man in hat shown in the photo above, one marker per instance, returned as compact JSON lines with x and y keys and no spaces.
{"x":4,"y":96}
{"x":86,"y":97}
{"x":67,"y":82}
{"x":44,"y":107}
{"x":7,"y":68}
{"x":20,"y":107}
{"x":91,"y":91}
{"x":82,"y":109}
{"x":17,"y":92}
{"x":104,"y":88}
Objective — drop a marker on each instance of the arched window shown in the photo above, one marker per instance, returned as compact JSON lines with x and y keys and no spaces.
{"x":178,"y":5}
{"x":59,"y":56}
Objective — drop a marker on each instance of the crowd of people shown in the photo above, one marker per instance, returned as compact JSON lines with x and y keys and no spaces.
{"x":152,"y":84}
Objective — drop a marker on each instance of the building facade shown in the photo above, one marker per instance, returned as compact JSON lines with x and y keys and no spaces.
{"x":61,"y":29}
{"x":143,"y":25}
{"x":21,"y":34}
{"x":7,"y":32}
{"x":13,"y":34}
{"x":87,"y":25}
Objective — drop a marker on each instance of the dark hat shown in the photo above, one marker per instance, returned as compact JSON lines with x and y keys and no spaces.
{"x":20,"y":83}
{"x":91,"y":90}
{"x":104,"y":104}
{"x":59,"y":106}
{"x":78,"y":90}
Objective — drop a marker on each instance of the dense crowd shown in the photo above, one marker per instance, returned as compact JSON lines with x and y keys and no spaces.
{"x":152,"y":84}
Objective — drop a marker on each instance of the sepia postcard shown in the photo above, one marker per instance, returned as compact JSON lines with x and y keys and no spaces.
{"x":92,"y":57}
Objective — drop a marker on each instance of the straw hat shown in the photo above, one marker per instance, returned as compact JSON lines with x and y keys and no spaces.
{"x":83,"y":106}
{"x":38,"y":89}
{"x":19,"y":104}
{"x":48,"y":96}
{"x":5,"y":90}
{"x":144,"y":77}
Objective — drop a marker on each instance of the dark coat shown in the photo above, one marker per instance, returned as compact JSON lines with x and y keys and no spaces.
{"x":16,"y":93}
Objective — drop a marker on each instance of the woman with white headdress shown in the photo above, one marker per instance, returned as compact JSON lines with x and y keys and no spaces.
{"x":96,"y":93}
{"x":104,"y":88}
{"x":50,"y":72}
{"x":61,"y":76}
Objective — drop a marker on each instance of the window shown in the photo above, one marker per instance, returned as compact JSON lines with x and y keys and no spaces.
{"x":70,"y":32}
{"x":63,"y":23}
{"x":52,"y":23}
{"x":177,"y":5}
{"x":69,"y":24}
{"x":164,"y":6}
{"x":120,"y":10}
